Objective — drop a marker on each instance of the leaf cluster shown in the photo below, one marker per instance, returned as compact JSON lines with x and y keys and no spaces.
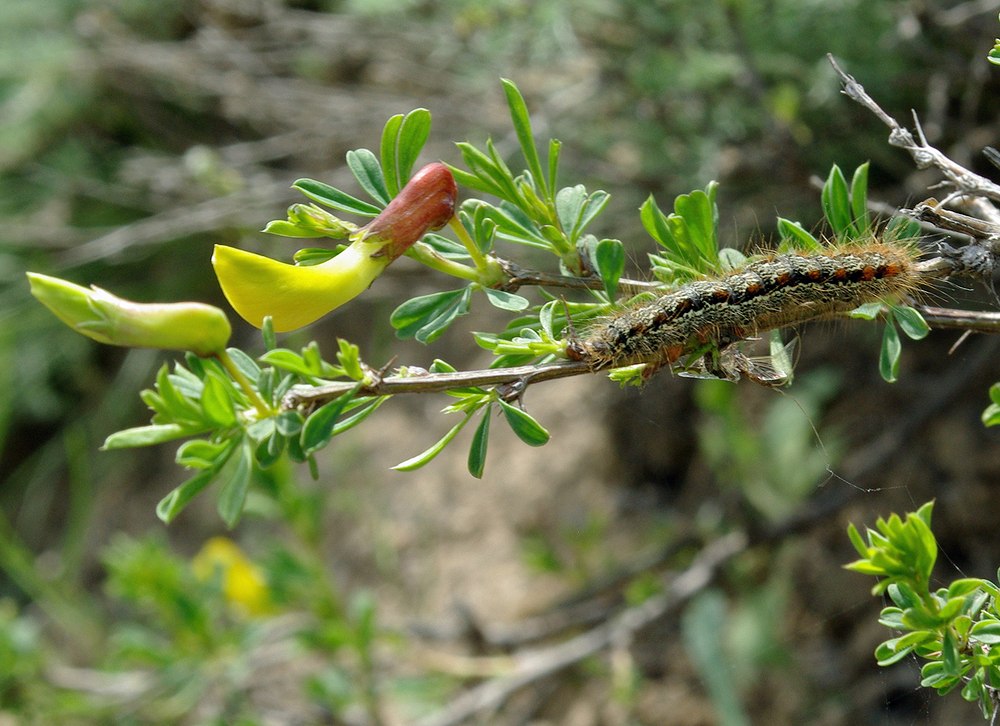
{"x":206,"y":399}
{"x":954,"y":629}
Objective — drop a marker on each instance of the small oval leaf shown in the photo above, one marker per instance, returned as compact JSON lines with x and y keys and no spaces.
{"x":235,"y":478}
{"x":527,"y":428}
{"x":480,"y":442}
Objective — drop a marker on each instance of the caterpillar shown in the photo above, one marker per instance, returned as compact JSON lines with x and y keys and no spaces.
{"x":767,"y":294}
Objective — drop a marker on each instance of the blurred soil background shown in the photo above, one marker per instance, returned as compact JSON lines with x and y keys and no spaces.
{"x":134,"y":135}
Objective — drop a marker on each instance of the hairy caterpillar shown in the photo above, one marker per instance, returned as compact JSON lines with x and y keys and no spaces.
{"x":764,"y":295}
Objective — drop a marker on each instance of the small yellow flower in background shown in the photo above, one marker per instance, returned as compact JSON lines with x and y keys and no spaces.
{"x":243,"y":583}
{"x":106,"y":318}
{"x":294,"y":296}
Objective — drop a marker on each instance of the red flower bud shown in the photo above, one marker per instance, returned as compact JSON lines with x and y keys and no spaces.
{"x":426,"y":203}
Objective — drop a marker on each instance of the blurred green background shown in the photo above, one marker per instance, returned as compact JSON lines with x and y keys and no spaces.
{"x":136,"y":134}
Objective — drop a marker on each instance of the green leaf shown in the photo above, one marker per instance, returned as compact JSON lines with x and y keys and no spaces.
{"x":428,"y":316}
{"x":655,"y":222}
{"x":797,"y":237}
{"x":415,"y":312}
{"x":363,"y":411}
{"x":387,"y":153}
{"x":480,"y":441}
{"x":995,"y":393}
{"x":857,"y":540}
{"x":284,"y":228}
{"x":688,"y":236}
{"x":312,"y":256}
{"x":991,"y":416}
{"x":173,"y":504}
{"x":887,"y":654}
{"x":365,"y":168}
{"x":594,"y":205}
{"x":836,"y":204}
{"x":527,"y":428}
{"x":506,"y":300}
{"x":515,"y":225}
{"x":491,"y":174}
{"x":903,"y":595}
{"x":860,"y":220}
{"x":891,"y":618}
{"x":522,"y":127}
{"x":933,"y":675}
{"x":288,"y":423}
{"x":609,"y":257}
{"x":217,"y":401}
{"x":865,"y":567}
{"x":986,"y":631}
{"x":318,"y":428}
{"x":267,"y":334}
{"x":349,"y":358}
{"x":700,"y":216}
{"x":925,"y":513}
{"x":546,"y":317}
{"x":442,"y":366}
{"x":334,"y":198}
{"x":201,"y":454}
{"x":479,"y":179}
{"x":569,"y":206}
{"x":911,"y":322}
{"x":247,"y":365}
{"x":235,"y":478}
{"x":483,"y":228}
{"x":868,"y":311}
{"x":179,"y":406}
{"x":950,"y":656}
{"x":403,"y":137}
{"x":555,"y":147}
{"x":413,"y":135}
{"x":426,"y":456}
{"x":286,"y":360}
{"x":147,"y":436}
{"x":974,"y":691}
{"x":888,"y":362}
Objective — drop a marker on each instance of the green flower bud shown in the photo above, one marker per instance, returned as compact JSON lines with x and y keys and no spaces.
{"x":308,"y":220}
{"x":96,"y":313}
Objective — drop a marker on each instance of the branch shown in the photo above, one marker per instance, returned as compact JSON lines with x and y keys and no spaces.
{"x":540,"y":663}
{"x":971,"y":320}
{"x":924,"y":155}
{"x":518,"y":376}
{"x":518,"y":276}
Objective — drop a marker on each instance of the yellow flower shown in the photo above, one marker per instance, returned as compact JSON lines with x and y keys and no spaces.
{"x":243,"y":584}
{"x":106,"y":318}
{"x":294,"y":296}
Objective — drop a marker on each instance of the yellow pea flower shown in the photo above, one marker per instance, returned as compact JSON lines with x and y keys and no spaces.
{"x":106,"y":318}
{"x":295,"y":296}
{"x":243,"y":584}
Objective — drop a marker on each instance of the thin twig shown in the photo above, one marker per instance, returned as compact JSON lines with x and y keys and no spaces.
{"x":519,"y":277}
{"x":924,"y":155}
{"x":434,"y":382}
{"x":970,"y":320}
